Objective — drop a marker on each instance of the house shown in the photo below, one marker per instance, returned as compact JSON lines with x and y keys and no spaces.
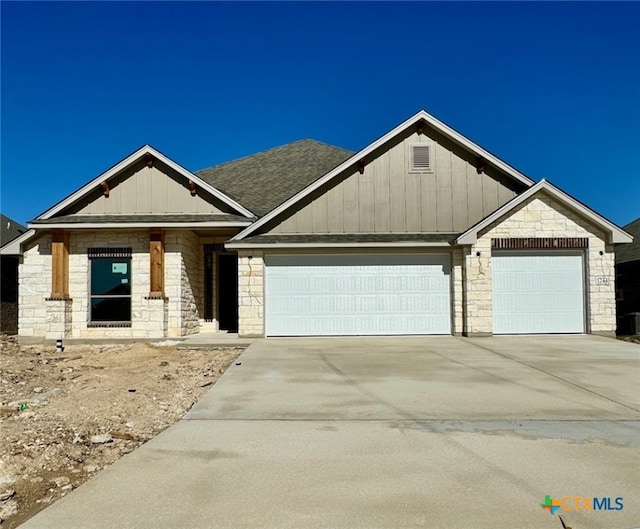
{"x":9,"y":230}
{"x":628,"y":282}
{"x":420,"y":232}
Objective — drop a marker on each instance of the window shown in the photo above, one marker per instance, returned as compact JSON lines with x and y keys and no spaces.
{"x":420,"y":156}
{"x":110,"y":289}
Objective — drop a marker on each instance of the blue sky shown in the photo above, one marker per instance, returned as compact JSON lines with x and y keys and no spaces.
{"x":551,"y":88}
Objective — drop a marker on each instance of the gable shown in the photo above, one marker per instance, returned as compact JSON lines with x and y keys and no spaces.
{"x":143,"y":190}
{"x":421,"y":122}
{"x":556,"y":200}
{"x":415,"y":182}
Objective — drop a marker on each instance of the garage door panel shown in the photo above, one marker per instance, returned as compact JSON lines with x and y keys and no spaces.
{"x":538,"y":293}
{"x":357,"y":295}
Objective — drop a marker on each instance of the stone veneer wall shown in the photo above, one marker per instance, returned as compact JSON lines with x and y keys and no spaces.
{"x":176,"y":315}
{"x":251,"y":293}
{"x":34,"y":286}
{"x":540,"y":216}
{"x":147,"y":316}
{"x":183,"y":281}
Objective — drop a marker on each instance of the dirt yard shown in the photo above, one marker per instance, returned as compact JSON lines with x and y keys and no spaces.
{"x":65,"y":416}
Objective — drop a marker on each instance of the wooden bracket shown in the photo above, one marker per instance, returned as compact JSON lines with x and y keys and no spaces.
{"x":149,"y":159}
{"x":422,"y":125}
{"x":480,"y":166}
{"x":361,"y":165}
{"x":192,"y":187}
{"x":105,"y":188}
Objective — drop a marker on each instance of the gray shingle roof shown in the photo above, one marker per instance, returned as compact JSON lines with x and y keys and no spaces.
{"x":159,"y":219}
{"x":262,"y":181}
{"x":630,"y":252}
{"x":9,"y":229}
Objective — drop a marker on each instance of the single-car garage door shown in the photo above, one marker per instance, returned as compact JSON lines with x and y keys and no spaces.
{"x":364,"y":294}
{"x":538,"y":292}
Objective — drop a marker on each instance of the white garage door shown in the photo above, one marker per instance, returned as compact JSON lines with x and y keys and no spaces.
{"x":334,"y":295}
{"x":536,"y":292}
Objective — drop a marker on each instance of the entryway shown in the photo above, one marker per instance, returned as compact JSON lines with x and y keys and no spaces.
{"x":221,"y":287}
{"x":227,"y":291}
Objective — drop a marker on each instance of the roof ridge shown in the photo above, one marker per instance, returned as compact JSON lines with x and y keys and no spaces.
{"x":272,"y":149}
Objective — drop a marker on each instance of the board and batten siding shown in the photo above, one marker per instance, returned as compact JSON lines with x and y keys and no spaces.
{"x":150,"y":190}
{"x":389,"y":198}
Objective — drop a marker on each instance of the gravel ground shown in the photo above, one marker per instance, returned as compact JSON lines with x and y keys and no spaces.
{"x":65,"y":416}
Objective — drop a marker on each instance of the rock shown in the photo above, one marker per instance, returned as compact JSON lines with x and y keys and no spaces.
{"x":7,"y":494}
{"x":8,"y":509}
{"x":61,"y":481}
{"x":90,"y":468}
{"x":38,"y":390}
{"x":67,"y":488}
{"x":124,"y":435}
{"x":7,"y":479}
{"x":44,"y":397}
{"x":101,"y":439}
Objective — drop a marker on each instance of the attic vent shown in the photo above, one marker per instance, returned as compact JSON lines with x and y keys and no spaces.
{"x":421,"y":158}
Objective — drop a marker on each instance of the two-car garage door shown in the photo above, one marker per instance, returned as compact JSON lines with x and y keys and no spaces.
{"x":538,"y":292}
{"x":363,"y":294}
{"x":391,"y":294}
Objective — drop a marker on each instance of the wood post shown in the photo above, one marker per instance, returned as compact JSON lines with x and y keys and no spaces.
{"x":60,"y":265}
{"x":156,"y":263}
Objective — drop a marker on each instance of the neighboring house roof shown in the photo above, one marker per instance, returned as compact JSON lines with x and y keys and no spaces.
{"x":264,"y":180}
{"x":9,"y":229}
{"x":140,"y":221}
{"x":615,"y":233}
{"x":128,"y":161}
{"x":415,"y":120}
{"x":630,"y":252}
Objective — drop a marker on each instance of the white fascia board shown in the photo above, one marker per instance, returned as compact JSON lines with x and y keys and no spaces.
{"x":438,"y":125}
{"x":120,"y":166}
{"x":125,"y":225}
{"x":14,"y":247}
{"x":616,"y":234}
{"x":266,"y":246}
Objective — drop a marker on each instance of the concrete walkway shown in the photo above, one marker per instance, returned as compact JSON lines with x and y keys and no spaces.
{"x":436,"y":432}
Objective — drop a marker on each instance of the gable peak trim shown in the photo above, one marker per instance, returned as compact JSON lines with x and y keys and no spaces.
{"x":420,"y":120}
{"x":148,"y":153}
{"x":615,"y":233}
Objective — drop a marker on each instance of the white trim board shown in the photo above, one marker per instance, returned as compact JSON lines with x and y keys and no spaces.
{"x":123,"y":225}
{"x":267,"y":246}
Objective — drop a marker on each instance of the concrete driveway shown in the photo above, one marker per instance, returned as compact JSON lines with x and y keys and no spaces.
{"x":437,"y":432}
